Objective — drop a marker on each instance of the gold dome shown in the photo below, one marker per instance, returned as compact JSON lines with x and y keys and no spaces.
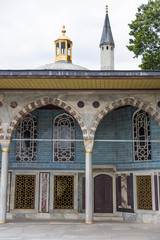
{"x":63,"y":48}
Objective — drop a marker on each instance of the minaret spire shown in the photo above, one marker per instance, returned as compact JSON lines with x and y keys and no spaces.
{"x":107,"y":45}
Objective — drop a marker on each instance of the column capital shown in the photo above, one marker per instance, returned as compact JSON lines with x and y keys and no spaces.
{"x":88,"y":144}
{"x":5,"y":145}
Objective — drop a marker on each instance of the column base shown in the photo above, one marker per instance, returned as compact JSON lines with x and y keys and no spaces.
{"x":88,"y":222}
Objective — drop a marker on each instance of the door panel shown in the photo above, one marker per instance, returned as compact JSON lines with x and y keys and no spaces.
{"x":103,"y":194}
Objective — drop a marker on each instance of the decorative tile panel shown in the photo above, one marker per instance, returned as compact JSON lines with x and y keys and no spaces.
{"x":144,"y":193}
{"x":44,"y":192}
{"x":25,"y":192}
{"x":63,"y":192}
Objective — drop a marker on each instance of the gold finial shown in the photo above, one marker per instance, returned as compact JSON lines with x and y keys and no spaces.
{"x":106,"y":9}
{"x":64,"y":31}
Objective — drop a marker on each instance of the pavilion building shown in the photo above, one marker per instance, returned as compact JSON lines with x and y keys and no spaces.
{"x":80,"y":144}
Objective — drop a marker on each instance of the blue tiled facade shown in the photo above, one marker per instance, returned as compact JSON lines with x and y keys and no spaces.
{"x":118,"y":125}
{"x":115,"y":125}
{"x":44,"y":161}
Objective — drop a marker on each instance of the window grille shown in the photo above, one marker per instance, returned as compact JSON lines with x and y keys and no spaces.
{"x":142,"y":135}
{"x":26,"y":151}
{"x":25,"y":192}
{"x":63,"y":192}
{"x":144,"y":192}
{"x":64,"y":128}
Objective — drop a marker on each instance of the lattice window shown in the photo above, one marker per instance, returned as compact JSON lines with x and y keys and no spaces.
{"x":144,"y":193}
{"x":141,"y":129}
{"x":64,"y":128}
{"x":25,"y":192}
{"x":26,"y":151}
{"x":63,"y":192}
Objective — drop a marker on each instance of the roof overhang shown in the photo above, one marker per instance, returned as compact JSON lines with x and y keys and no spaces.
{"x":78,"y":80}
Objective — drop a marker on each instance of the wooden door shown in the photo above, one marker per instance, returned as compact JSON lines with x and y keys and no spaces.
{"x":103,"y":194}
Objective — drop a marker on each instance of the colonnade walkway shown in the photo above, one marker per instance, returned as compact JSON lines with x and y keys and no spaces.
{"x":77,"y":230}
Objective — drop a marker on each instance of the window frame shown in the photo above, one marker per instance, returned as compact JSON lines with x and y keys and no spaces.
{"x":147,"y":140}
{"x":33,"y":144}
{"x":72,"y":148}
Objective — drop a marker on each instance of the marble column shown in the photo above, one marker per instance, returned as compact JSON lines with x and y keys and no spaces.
{"x":4,"y":179}
{"x":89,"y":182}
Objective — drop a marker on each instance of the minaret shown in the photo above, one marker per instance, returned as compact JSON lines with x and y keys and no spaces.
{"x":63,"y":48}
{"x":107,"y":45}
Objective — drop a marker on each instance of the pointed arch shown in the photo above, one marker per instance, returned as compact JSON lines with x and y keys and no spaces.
{"x":43,"y":102}
{"x":120,"y":103}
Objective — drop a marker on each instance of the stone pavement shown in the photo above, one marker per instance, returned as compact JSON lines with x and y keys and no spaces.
{"x":69,"y":230}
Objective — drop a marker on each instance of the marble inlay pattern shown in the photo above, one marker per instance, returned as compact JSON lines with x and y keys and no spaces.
{"x":124,"y":201}
{"x":124,"y":197}
{"x":44,"y":192}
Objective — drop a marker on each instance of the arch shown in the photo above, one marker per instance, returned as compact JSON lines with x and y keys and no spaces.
{"x":119,"y":103}
{"x":43,"y":102}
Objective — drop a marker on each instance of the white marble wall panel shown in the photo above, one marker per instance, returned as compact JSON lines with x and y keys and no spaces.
{"x":8,"y":191}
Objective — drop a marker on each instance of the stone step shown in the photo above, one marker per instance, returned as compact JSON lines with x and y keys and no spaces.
{"x":108,"y":218}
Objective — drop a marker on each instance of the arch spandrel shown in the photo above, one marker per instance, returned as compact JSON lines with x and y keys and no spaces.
{"x":40,"y":103}
{"x":110,"y":106}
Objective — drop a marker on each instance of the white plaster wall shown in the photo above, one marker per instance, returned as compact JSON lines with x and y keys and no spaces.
{"x":107,"y":58}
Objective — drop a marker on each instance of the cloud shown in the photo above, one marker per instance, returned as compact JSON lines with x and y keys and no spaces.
{"x":29,"y":28}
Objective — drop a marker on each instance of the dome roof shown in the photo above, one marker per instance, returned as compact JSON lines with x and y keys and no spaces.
{"x":61,"y":65}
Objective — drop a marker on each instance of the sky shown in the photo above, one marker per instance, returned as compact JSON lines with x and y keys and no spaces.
{"x":28,"y":29}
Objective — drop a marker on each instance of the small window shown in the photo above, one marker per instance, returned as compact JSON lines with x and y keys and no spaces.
{"x":64,"y":128}
{"x":111,"y":48}
{"x":107,"y":48}
{"x":142,"y":136}
{"x":102,"y":48}
{"x":63,"y":46}
{"x":57,"y":48}
{"x":26,"y":148}
{"x":69,"y":49}
{"x":63,"y":192}
{"x":144,"y":192}
{"x":25,"y":192}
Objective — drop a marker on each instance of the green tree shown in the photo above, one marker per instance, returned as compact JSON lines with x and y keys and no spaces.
{"x":145,"y":32}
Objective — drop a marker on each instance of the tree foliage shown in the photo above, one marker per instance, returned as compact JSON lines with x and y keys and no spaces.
{"x":145,"y":32}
